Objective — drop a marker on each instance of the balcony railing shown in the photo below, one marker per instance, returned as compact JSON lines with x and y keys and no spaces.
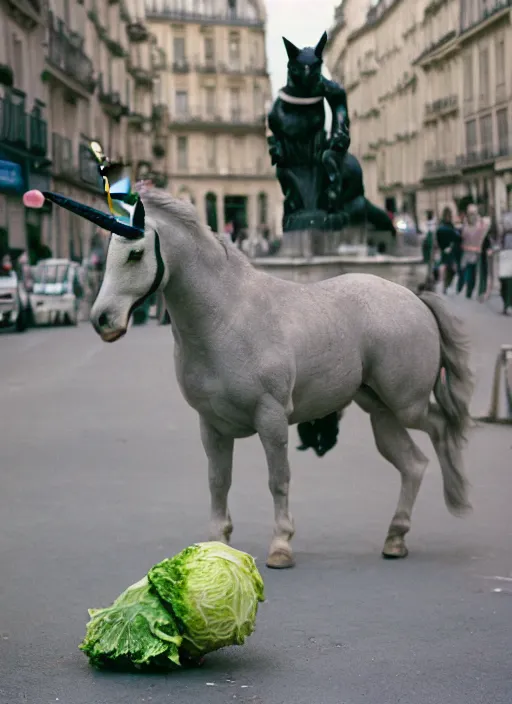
{"x":477,"y":157}
{"x":213,"y":66}
{"x":38,"y":133}
{"x":182,"y":11}
{"x":442,"y":106}
{"x":435,"y":168}
{"x":110,"y":100}
{"x":181,"y":66}
{"x":484,"y":10}
{"x":137,"y":31}
{"x":23,"y":131}
{"x":13,"y":123}
{"x":200,"y":119}
{"x":65,"y":52}
{"x":142,"y":76}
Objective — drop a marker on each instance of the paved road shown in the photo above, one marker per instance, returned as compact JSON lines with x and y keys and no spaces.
{"x":102,"y":475}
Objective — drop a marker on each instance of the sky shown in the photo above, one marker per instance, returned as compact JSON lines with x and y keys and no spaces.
{"x":302,"y":22}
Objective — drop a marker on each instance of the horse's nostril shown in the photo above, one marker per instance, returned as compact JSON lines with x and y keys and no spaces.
{"x":102,"y":320}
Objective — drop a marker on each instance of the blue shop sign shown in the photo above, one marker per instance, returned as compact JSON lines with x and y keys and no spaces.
{"x":11,"y":176}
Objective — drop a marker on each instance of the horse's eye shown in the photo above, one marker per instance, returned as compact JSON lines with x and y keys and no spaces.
{"x":135,"y":255}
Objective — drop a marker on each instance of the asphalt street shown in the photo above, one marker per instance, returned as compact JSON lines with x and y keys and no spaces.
{"x":102,"y":475}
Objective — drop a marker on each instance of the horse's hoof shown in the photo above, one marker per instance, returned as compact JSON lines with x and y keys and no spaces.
{"x":280,"y":560}
{"x":395,"y":549}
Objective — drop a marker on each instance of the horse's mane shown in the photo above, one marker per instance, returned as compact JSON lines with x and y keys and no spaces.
{"x":184,"y":211}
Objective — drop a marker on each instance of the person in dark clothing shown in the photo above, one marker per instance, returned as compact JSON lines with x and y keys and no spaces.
{"x":449,"y":242}
{"x":484,"y":267}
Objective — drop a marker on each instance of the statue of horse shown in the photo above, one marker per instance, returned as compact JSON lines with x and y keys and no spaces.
{"x":255,"y":354}
{"x":322,"y":182}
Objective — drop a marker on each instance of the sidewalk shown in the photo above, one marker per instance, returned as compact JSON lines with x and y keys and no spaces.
{"x":488,"y":329}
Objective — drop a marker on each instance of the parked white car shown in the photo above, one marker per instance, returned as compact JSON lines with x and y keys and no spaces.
{"x":56,"y":292}
{"x":13,"y":302}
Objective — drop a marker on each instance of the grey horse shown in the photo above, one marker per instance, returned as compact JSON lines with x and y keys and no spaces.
{"x":255,"y":354}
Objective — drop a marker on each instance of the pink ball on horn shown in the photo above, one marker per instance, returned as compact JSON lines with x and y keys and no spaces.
{"x":33,"y":199}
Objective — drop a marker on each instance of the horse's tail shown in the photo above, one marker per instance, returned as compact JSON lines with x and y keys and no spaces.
{"x":453,"y":390}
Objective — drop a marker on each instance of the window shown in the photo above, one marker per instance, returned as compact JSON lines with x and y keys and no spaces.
{"x":157,"y":91}
{"x":182,"y":146}
{"x":179,"y":50}
{"x":209,"y":50}
{"x":236,"y":112}
{"x":501,"y":90}
{"x":258,"y":101}
{"x":468,"y":82}
{"x":234,"y":50}
{"x":262,"y":209}
{"x":17,"y":60}
{"x":67,"y":14}
{"x":486,"y":134}
{"x":211,"y":151}
{"x":181,"y":103}
{"x":502,"y":122}
{"x":483,"y":77}
{"x":471,"y":142}
{"x":209,"y":101}
{"x":128,"y":96}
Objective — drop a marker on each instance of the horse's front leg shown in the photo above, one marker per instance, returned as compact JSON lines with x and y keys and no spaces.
{"x":272,"y":427}
{"x":219,"y":451}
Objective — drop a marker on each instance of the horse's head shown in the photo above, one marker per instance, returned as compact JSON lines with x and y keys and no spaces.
{"x":305,"y":66}
{"x":135,"y":266}
{"x":134,"y":270}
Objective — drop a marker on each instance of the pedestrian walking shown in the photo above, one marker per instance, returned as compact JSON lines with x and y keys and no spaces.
{"x":474,"y":231}
{"x":505,"y":264}
{"x":449,"y":242}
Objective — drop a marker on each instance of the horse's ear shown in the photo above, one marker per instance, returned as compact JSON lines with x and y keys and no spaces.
{"x":291,"y":49}
{"x":319,"y":48}
{"x":139,"y":215}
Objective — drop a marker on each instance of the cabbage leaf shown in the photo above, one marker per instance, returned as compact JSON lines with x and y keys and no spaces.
{"x":136,"y":629}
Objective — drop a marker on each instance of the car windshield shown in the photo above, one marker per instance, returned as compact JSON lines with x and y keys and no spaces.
{"x":51,"y":274}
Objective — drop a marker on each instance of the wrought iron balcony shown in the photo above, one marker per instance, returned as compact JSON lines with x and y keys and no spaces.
{"x":110,"y":100}
{"x":65,"y":52}
{"x":136,"y":119}
{"x":476,"y":158}
{"x":38,"y":133}
{"x":474,"y":14}
{"x":199,"y":119}
{"x":13,"y":123}
{"x":186,"y":11}
{"x":213,"y":66}
{"x":181,"y":66}
{"x":142,"y":76}
{"x":23,"y":131}
{"x":137,"y":31}
{"x":437,"y":168}
{"x":442,"y":106}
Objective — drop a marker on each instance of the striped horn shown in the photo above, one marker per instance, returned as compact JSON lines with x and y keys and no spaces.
{"x":103,"y":220}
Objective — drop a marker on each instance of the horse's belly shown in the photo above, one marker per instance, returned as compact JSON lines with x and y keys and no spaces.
{"x":330,"y":390}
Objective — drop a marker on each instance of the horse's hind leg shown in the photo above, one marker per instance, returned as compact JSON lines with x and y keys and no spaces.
{"x":396,"y":445}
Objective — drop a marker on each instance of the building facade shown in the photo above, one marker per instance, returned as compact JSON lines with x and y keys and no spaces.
{"x":430,"y":100}
{"x":214,"y":94}
{"x":71,"y":71}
